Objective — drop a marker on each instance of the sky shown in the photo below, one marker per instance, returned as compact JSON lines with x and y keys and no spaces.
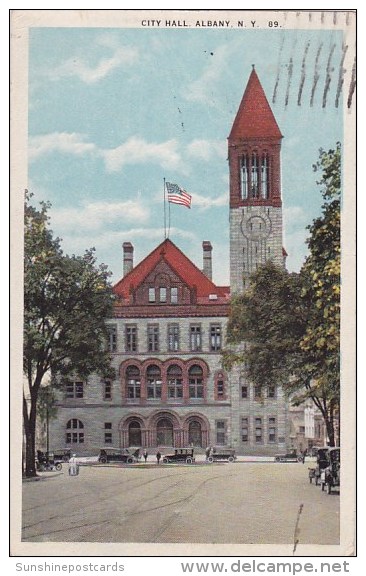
{"x":114,"y":111}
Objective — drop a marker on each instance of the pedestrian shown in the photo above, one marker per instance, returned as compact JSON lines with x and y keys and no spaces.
{"x":158,"y":456}
{"x":145,"y":455}
{"x":73,"y":466}
{"x":208,"y":452}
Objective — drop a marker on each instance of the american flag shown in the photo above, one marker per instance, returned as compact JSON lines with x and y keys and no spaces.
{"x":177,"y":195}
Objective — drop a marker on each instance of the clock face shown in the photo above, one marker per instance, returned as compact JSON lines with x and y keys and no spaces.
{"x":256,"y":226}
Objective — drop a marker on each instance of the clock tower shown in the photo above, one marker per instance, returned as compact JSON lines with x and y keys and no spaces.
{"x":255,"y":186}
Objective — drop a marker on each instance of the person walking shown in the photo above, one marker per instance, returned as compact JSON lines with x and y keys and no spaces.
{"x":158,"y":456}
{"x":73,"y":466}
{"x":145,"y":454}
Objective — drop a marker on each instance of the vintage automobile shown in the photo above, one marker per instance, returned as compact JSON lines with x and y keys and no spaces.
{"x":180,"y":455}
{"x":62,"y":455}
{"x":321,"y":464}
{"x":330,"y":475}
{"x":45,"y":462}
{"x":227,"y":454}
{"x":107,"y":455}
{"x":289,"y":457}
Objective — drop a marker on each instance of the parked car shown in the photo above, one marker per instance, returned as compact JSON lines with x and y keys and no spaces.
{"x":185,"y":455}
{"x":321,"y":464}
{"x":107,"y":455}
{"x":45,"y":462}
{"x":61,"y":455}
{"x":289,"y":457}
{"x":330,"y":476}
{"x":227,"y":454}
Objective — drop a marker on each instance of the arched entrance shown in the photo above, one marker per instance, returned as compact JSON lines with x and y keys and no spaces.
{"x":195,"y":433}
{"x":164,"y":432}
{"x":134,"y":433}
{"x":196,"y":430}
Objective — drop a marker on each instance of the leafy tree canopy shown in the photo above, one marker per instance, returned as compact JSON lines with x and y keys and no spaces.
{"x":66,"y":302}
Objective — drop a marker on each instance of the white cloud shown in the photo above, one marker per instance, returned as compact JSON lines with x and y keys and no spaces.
{"x":136,"y":150}
{"x":201,"y":89}
{"x":88,"y":74}
{"x":95,"y":215}
{"x":69,"y":143}
{"x":206,"y":149}
{"x":205,"y":202}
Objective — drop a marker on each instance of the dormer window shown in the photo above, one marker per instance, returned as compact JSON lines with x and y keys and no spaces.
{"x":152,"y":295}
{"x":174,"y":295}
{"x":162,"y":294}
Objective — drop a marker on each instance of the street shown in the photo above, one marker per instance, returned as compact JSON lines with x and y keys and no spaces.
{"x":242,"y":502}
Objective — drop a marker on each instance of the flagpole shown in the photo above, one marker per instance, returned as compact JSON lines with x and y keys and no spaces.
{"x":164,"y":213}
{"x":168,"y":219}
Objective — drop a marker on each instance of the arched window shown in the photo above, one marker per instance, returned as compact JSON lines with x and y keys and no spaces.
{"x":164,"y":432}
{"x":195,"y":376}
{"x":195,"y":433}
{"x":74,"y":432}
{"x":265,"y":176}
{"x":133,"y":382}
{"x":254,"y":179}
{"x":175,"y":382}
{"x":244,"y":173}
{"x":134,"y":433}
{"x":153,"y":377}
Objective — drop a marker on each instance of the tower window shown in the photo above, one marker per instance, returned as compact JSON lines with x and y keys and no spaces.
{"x":265,"y":176}
{"x":244,"y":172}
{"x":254,"y":184}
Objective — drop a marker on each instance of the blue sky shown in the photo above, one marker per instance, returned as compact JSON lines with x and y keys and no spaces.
{"x":112,"y":112}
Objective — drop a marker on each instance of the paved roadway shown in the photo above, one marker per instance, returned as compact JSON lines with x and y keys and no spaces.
{"x":244,"y":502}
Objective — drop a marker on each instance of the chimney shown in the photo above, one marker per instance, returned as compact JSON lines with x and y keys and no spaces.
{"x":207,"y":258}
{"x":127,"y":257}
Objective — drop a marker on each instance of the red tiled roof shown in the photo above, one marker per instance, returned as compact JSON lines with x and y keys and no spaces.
{"x":254,"y":118}
{"x":186,"y":270}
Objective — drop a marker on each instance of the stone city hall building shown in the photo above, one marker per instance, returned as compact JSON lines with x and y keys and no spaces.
{"x":169,"y":323}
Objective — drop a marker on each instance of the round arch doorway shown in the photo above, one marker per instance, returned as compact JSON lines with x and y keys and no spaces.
{"x":195,"y":433}
{"x":164,"y":432}
{"x":134,"y":433}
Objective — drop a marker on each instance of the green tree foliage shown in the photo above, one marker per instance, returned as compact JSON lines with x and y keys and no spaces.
{"x":66,"y":302}
{"x":285,"y":329}
{"x":269,"y":319}
{"x":321,"y":342}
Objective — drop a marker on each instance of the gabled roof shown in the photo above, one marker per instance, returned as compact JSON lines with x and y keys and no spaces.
{"x":254,"y":118}
{"x":180,"y":264}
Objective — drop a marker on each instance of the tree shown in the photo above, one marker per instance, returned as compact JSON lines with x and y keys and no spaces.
{"x":321,"y":342}
{"x":266,"y":324}
{"x":285,"y":328}
{"x":66,"y":302}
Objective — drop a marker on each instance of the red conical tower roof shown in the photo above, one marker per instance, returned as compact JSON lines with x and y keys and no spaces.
{"x":254,"y":118}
